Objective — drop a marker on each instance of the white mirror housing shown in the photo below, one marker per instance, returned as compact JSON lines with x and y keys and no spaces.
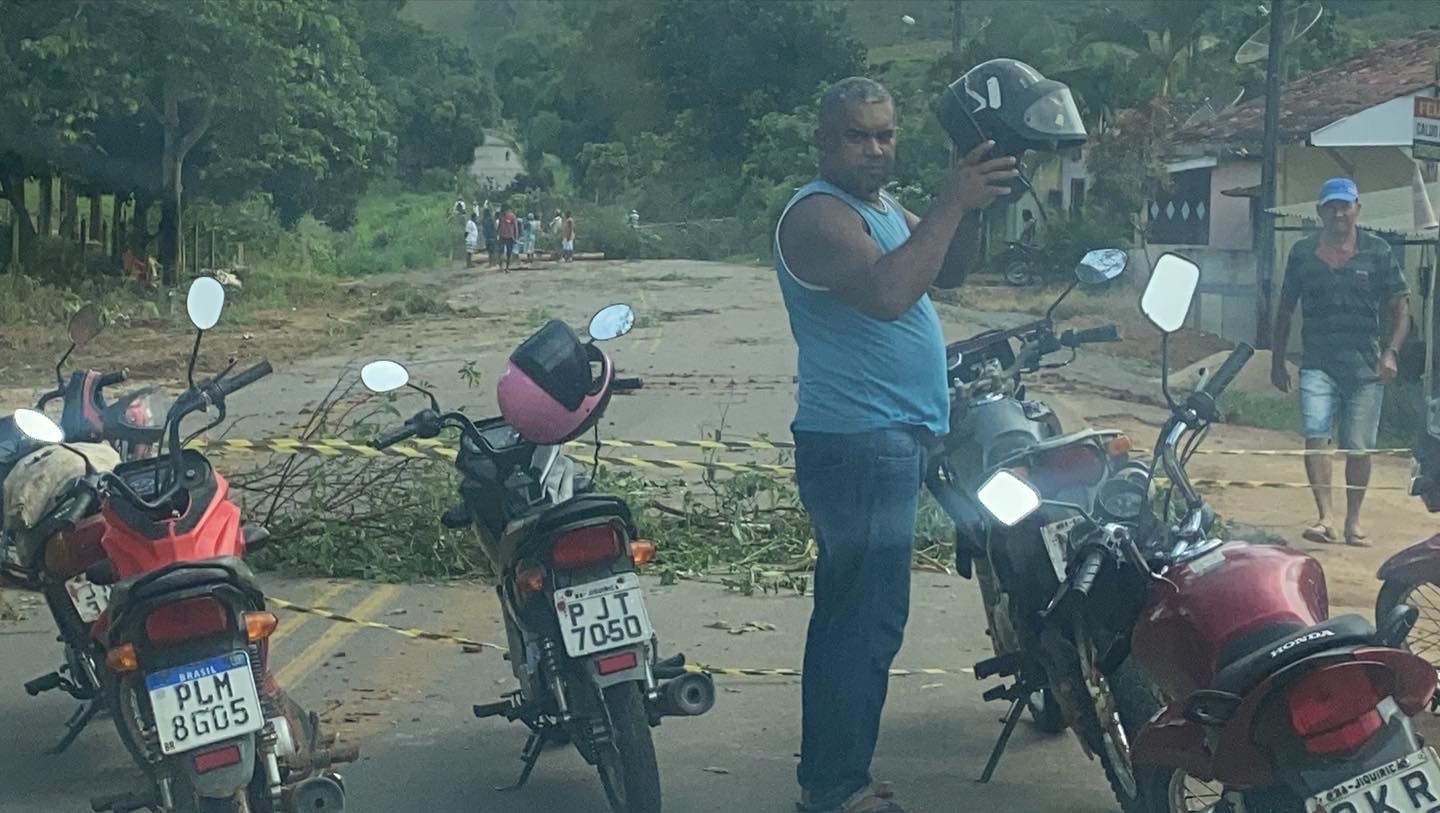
{"x":204,"y":302}
{"x":384,"y":376}
{"x":1171,"y":290}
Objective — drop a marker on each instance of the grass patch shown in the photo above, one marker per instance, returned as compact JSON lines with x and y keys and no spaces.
{"x":1402,"y":414}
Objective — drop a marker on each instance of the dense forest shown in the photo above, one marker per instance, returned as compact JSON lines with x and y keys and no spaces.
{"x":293,"y":111}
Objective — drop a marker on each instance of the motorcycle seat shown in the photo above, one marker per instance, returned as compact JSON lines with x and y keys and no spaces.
{"x":579,"y":509}
{"x":183,"y":576}
{"x":1288,"y":644}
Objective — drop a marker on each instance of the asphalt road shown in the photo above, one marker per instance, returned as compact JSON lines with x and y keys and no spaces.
{"x":407,"y":703}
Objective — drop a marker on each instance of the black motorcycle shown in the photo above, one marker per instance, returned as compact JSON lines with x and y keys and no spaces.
{"x":994,"y":425}
{"x":581,"y":644}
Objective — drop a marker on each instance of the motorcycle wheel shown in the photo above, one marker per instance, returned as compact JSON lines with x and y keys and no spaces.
{"x":1423,"y":595}
{"x":627,"y":764}
{"x":1133,"y":701}
{"x":1169,"y":790}
{"x":1019,"y":273}
{"x":123,"y":696}
{"x":239,"y":803}
{"x":1046,"y":712}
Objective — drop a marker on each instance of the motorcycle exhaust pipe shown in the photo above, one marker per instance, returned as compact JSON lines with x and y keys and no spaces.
{"x":322,"y":792}
{"x":689,"y":695}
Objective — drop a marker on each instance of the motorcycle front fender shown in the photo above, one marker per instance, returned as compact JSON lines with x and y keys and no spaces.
{"x":1421,"y":558}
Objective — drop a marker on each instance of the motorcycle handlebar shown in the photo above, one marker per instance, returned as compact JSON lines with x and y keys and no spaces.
{"x":111,"y":379}
{"x":244,"y":378}
{"x":394,"y":436}
{"x":1087,"y":571}
{"x":1090,"y":335}
{"x":1236,"y":361}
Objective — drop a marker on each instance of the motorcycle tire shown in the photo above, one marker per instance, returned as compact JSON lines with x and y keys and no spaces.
{"x":1045,"y":711}
{"x":1165,"y":790}
{"x":1136,"y":701}
{"x":627,"y":764}
{"x":1398,"y":590}
{"x":1019,"y":274}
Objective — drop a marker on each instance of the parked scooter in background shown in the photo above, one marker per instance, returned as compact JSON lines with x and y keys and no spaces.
{"x":48,"y":541}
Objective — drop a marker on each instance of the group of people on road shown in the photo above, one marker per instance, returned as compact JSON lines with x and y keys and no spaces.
{"x":507,"y":234}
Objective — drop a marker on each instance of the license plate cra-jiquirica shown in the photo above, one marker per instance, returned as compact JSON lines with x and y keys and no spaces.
{"x":1410,"y":784}
{"x":204,"y":702}
{"x":603,"y":615}
{"x":90,"y":599}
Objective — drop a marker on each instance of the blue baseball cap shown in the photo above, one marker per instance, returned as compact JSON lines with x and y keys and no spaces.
{"x":1338,"y":189}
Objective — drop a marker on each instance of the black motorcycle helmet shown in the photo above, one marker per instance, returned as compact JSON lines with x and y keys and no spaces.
{"x":1010,"y":102}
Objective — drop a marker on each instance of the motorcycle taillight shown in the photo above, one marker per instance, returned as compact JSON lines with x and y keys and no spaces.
{"x":1334,"y":709}
{"x":1080,"y":464}
{"x":186,"y":620}
{"x":588,"y":545}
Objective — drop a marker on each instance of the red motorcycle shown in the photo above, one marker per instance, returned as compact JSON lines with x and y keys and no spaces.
{"x":1257,"y":700}
{"x":185,"y":635}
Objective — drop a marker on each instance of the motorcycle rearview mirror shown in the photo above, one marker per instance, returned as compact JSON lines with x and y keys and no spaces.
{"x":1168,"y":294}
{"x":1166,"y":303}
{"x":384,"y":375}
{"x":85,"y":325}
{"x":204,"y":302}
{"x":1008,"y":498}
{"x":37,"y":426}
{"x":611,"y":322}
{"x":1101,"y":266}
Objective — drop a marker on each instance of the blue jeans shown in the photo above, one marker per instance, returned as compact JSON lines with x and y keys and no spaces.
{"x":862,"y":492}
{"x":1352,"y":409}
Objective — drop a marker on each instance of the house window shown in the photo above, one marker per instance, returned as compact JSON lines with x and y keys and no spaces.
{"x":1077,"y":196}
{"x":1180,"y":215}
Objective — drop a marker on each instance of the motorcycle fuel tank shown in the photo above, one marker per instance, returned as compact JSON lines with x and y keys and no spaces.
{"x":1204,"y":612}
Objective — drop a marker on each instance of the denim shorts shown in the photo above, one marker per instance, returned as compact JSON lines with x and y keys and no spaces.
{"x":1350,"y":410}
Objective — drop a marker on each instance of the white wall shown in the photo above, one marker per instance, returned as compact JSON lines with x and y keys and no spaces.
{"x":1230,"y":226}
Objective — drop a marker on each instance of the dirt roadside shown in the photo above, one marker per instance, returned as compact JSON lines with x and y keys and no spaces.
{"x":699,"y":323}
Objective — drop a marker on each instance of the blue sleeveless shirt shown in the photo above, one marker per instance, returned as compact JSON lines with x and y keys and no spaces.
{"x":857,"y":373}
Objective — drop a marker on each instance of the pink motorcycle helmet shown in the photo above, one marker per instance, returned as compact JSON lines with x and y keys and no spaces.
{"x":550,"y":392}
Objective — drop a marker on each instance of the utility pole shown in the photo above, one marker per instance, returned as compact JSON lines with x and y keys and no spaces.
{"x":957,"y":25}
{"x":1265,"y":222}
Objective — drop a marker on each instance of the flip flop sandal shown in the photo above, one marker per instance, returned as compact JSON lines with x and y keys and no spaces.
{"x":1357,"y":540}
{"x":880,"y":799}
{"x":1320,"y":534}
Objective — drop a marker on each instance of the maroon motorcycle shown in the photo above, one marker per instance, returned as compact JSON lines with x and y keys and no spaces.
{"x":1251,"y":698}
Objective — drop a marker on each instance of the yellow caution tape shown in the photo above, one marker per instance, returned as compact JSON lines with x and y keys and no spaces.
{"x":424,"y":635}
{"x":436,"y":450}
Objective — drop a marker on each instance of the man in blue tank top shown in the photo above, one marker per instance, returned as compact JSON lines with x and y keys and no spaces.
{"x":854,"y":268}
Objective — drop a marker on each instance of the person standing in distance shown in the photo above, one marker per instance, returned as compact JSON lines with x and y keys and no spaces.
{"x":854,"y":268}
{"x":1344,"y":281}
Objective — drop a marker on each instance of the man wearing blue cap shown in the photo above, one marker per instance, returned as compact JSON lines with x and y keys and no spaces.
{"x":1342,"y":279}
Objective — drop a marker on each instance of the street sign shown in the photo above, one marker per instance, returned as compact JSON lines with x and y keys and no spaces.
{"x":1427,"y":129}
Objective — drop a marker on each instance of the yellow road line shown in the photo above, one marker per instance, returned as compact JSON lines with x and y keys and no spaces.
{"x":301,"y":665}
{"x":289,"y":625}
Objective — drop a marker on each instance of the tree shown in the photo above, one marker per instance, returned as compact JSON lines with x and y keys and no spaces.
{"x":729,"y":62}
{"x":604,"y":168}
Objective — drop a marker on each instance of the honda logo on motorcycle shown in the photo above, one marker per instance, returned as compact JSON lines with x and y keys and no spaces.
{"x":1291,"y":644}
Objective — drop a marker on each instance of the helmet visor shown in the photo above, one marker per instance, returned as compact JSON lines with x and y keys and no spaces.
{"x":1054,"y":114}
